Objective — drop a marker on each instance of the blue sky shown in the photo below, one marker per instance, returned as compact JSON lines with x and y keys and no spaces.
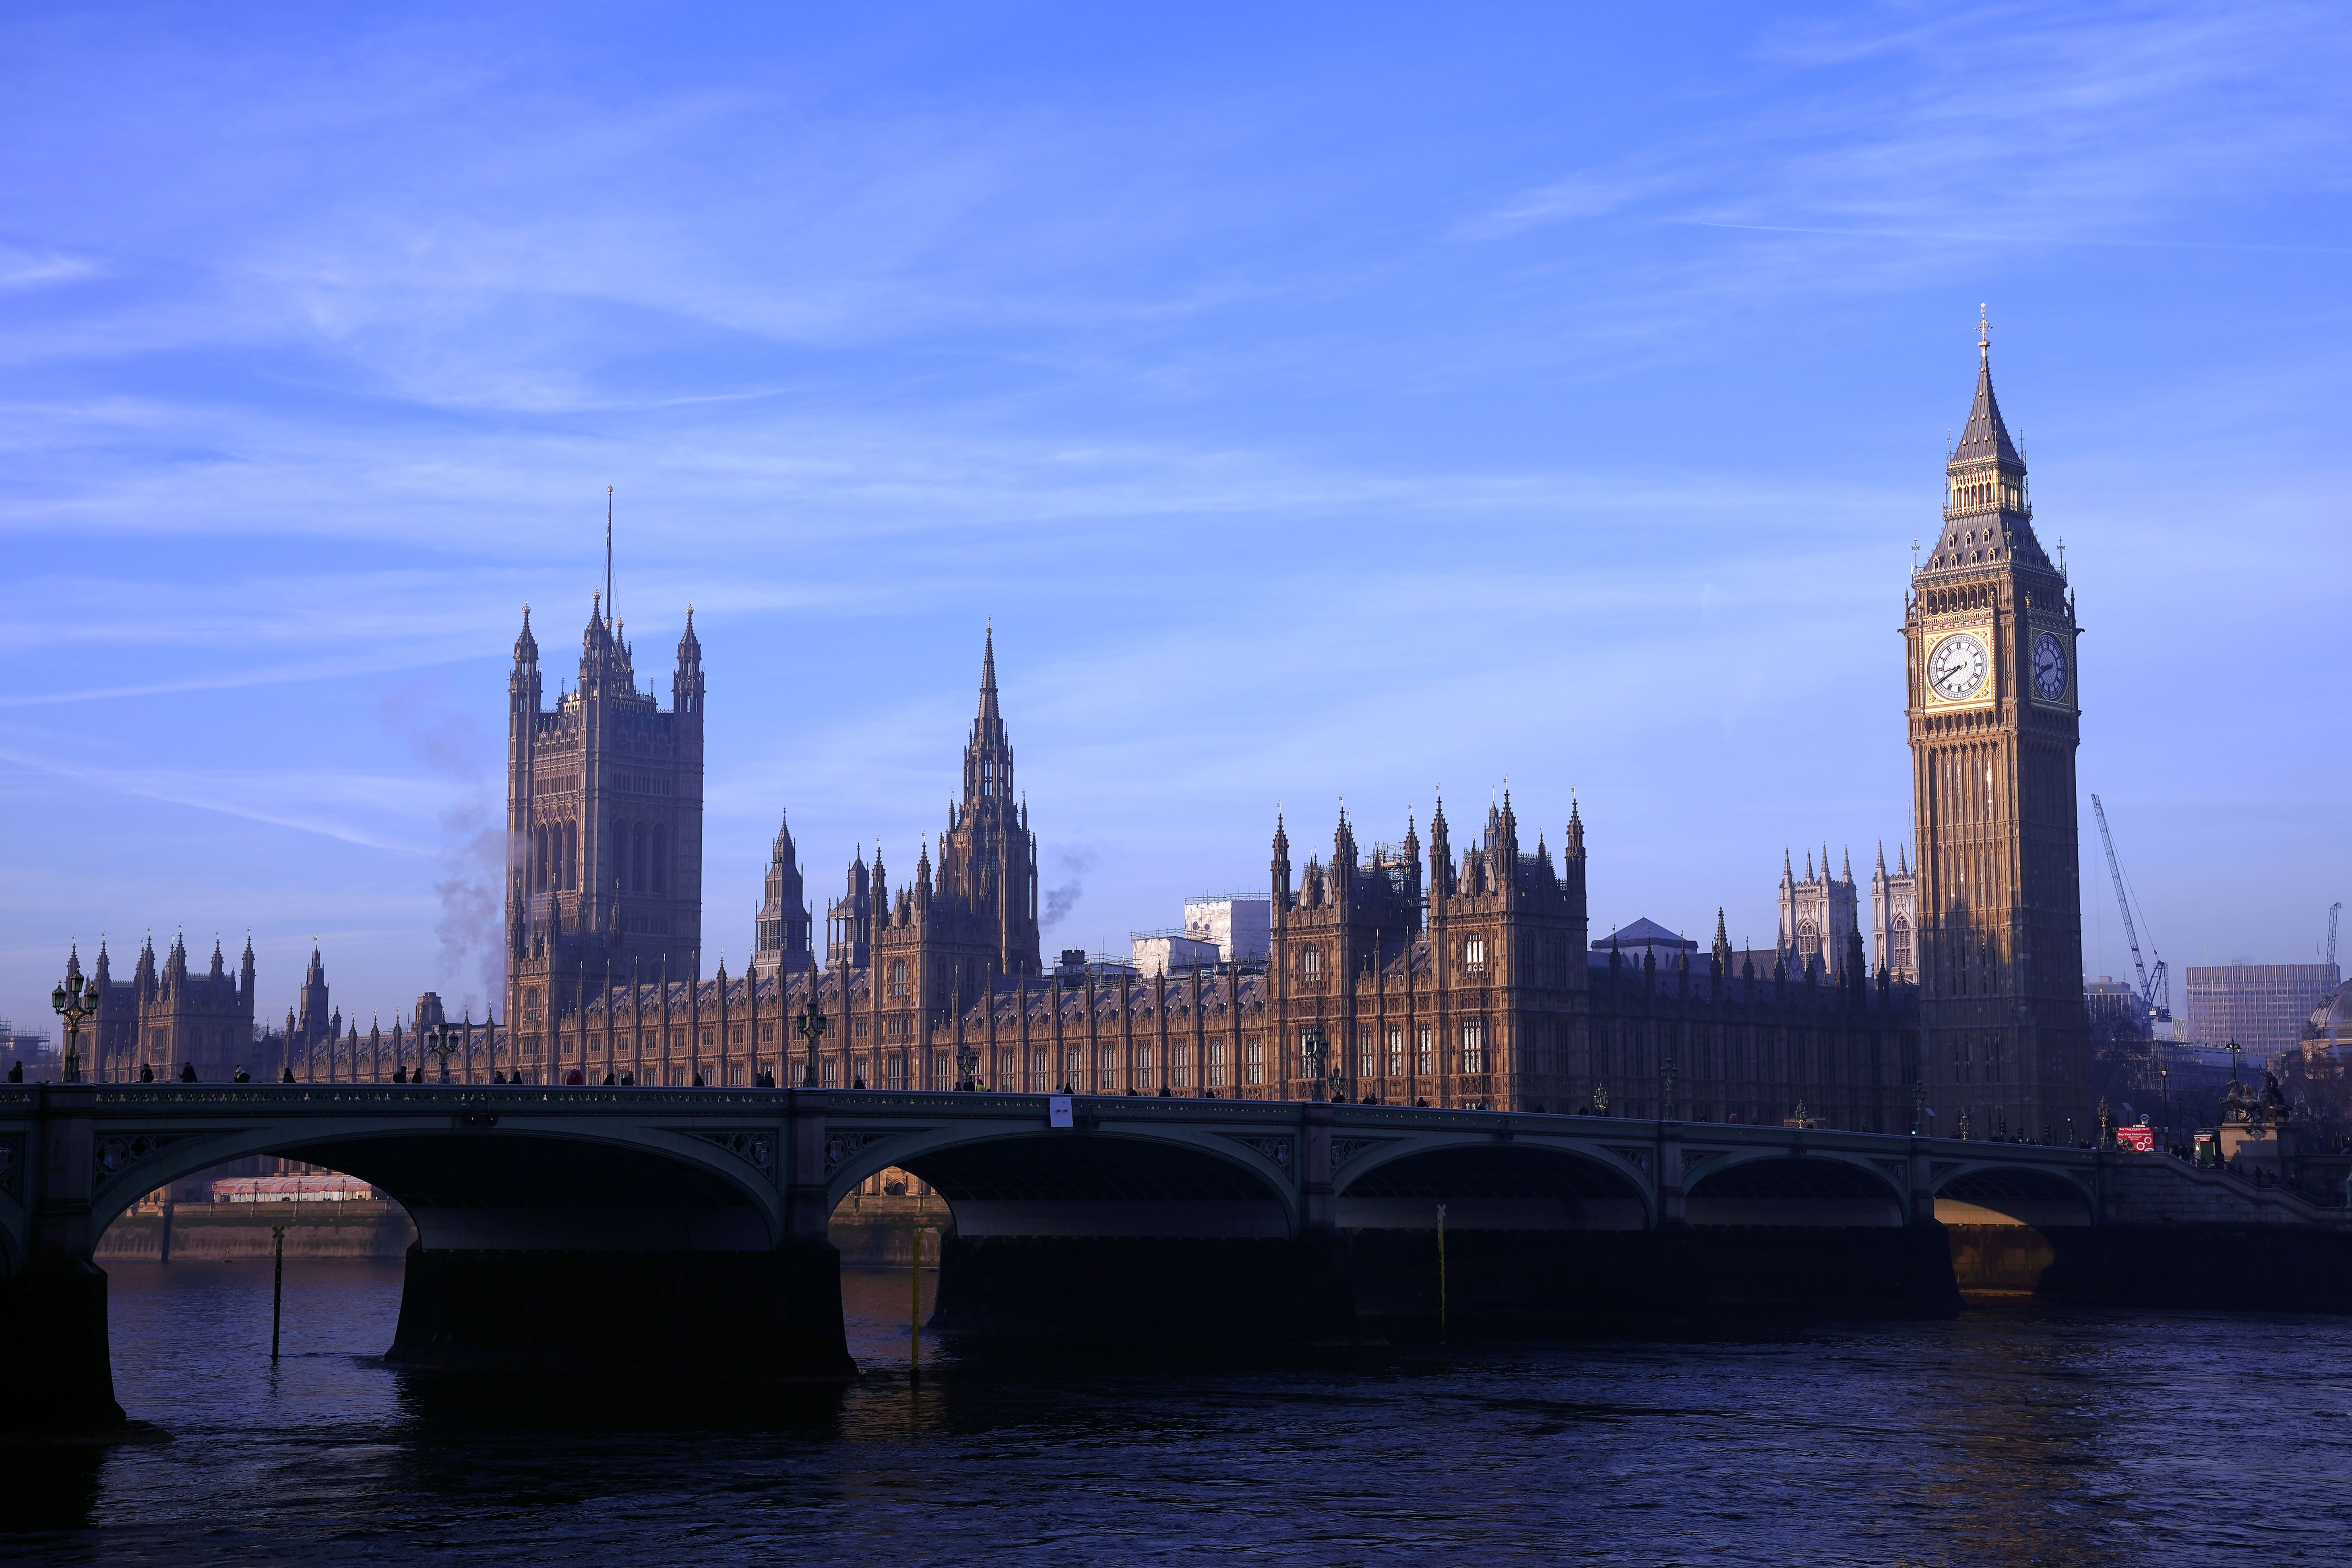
{"x":1324,"y":401}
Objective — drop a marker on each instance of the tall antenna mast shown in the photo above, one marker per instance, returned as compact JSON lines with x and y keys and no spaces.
{"x":608,"y":555}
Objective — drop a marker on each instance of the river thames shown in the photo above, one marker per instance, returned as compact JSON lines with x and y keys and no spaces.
{"x":2005,"y":1436}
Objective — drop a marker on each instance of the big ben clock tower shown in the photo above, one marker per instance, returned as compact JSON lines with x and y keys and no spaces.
{"x":1990,"y":643}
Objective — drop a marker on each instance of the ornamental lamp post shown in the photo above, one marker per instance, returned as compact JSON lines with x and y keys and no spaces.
{"x":811,"y":1027}
{"x":1667,"y":1091}
{"x":967,"y":1062}
{"x":1311,"y":1046}
{"x":443,"y":1040}
{"x":73,"y":1004}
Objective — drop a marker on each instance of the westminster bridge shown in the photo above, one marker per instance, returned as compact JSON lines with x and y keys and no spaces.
{"x":668,"y":1226}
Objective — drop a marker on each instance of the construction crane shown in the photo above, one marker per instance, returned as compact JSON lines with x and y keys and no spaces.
{"x":2334,"y":910}
{"x":2155,"y":990}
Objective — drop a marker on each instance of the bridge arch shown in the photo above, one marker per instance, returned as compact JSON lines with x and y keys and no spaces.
{"x":504,"y":1184}
{"x":1772,"y":1187}
{"x":1488,"y":1184}
{"x":1024,"y":1181}
{"x":1989,"y":1194}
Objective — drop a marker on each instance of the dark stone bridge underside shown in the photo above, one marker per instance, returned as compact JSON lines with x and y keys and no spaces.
{"x":679,"y":1228}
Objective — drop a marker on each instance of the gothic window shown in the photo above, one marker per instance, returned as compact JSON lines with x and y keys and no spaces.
{"x":897,"y":986}
{"x":1396,"y":1051}
{"x":1253,"y":1060}
{"x":1902,"y":945}
{"x":1041,"y":1066}
{"x":1474,"y":1047}
{"x":1809,"y":942}
{"x":707,"y":1038}
{"x":828,"y":1073}
{"x":637,"y":858}
{"x":939,"y":1079}
{"x":896,"y":1067}
{"x":1310,"y":964}
{"x":1474,"y":955}
{"x":660,"y":878}
{"x":1425,"y":1053}
{"x":1107,"y":1069}
{"x":1216,"y":1064}
{"x":1367,"y":1063}
{"x":1180,"y":1066}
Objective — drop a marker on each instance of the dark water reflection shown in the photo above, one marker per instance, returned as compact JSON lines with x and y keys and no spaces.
{"x":2001,"y":1439}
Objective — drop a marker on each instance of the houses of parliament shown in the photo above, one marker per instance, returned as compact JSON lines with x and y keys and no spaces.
{"x":1447,"y":971}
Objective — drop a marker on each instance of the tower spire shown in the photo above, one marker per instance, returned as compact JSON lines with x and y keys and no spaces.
{"x":988,"y":710}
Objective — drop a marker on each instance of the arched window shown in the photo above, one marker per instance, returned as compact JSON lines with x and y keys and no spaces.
{"x":1474,"y":955}
{"x":897,"y":979}
{"x":1474,"y":1047}
{"x":1809,"y":940}
{"x":1901,"y":943}
{"x":1310,"y":964}
{"x":660,"y":877}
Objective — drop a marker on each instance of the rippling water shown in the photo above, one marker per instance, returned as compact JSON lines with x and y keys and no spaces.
{"x":2076,"y":1437}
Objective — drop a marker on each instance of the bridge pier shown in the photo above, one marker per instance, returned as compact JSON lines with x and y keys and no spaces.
{"x":53,"y":1305}
{"x":765,"y":1314}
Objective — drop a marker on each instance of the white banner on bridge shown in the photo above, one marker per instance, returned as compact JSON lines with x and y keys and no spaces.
{"x":1057,"y":1111}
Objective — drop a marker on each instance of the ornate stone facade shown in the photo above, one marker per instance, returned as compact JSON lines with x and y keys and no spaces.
{"x":1894,"y":917}
{"x":165,"y":1017}
{"x":1819,"y":916}
{"x":1450,"y":976}
{"x":603,"y":829}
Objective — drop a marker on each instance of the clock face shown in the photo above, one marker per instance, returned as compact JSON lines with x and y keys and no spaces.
{"x":2048,"y":667}
{"x":1957,"y":667}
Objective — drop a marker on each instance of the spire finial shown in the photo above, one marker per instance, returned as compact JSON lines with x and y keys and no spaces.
{"x":1984,"y":335}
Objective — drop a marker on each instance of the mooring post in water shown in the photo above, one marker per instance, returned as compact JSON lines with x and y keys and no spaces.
{"x":1441,"y":1274}
{"x":915,"y":1300}
{"x":166,"y":1256}
{"x":277,"y":1284}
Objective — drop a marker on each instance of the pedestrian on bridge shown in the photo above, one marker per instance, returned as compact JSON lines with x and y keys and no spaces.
{"x":187,"y":1072}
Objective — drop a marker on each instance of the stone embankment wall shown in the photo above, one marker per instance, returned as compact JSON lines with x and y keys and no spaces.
{"x":211,"y":1233}
{"x":873,"y":1232}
